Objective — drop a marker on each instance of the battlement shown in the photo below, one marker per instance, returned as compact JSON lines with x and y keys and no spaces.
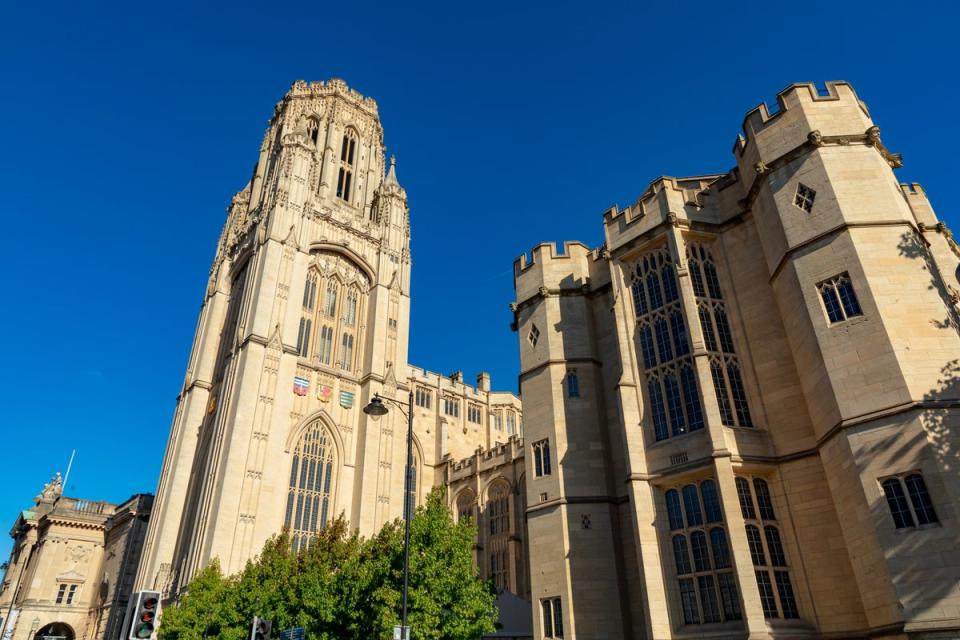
{"x":919,"y":205}
{"x":455,"y":385}
{"x":797,"y":96}
{"x":332,"y":87}
{"x":655,"y":198}
{"x":482,"y":459}
{"x":549,"y":251}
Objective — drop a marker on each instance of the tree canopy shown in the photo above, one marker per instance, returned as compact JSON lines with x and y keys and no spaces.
{"x":343,"y":587}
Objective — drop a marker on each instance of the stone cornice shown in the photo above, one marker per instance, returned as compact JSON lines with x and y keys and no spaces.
{"x":831,"y":232}
{"x":565,"y":361}
{"x":836,"y":429}
{"x":546,"y":292}
{"x":814,"y":141}
{"x":555,"y":502}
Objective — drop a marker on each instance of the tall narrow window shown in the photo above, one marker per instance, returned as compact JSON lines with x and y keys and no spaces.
{"x":511,"y":423}
{"x":451,"y":407}
{"x":310,"y":487}
{"x":228,"y":337}
{"x":839,"y":298}
{"x":766,"y":549}
{"x":541,"y":458}
{"x":701,"y":555}
{"x":303,"y":337}
{"x":306,"y":317}
{"x":552,"y":618}
{"x":718,"y":337}
{"x":674,"y":400}
{"x":325,"y":351}
{"x":313,"y":129}
{"x":345,"y":177}
{"x":350,"y":307}
{"x":423,"y":397}
{"x":346,"y":352}
{"x":498,"y":524}
{"x":573,"y":384}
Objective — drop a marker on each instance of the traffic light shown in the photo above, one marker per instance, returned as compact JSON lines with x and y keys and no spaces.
{"x":260,"y":630}
{"x":146,"y":606}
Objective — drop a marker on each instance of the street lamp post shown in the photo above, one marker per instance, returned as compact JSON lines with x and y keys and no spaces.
{"x":376,"y":408}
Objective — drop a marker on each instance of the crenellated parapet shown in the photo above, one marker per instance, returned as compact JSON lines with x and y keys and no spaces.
{"x":332,"y":87}
{"x":550,"y":270}
{"x":486,"y":460}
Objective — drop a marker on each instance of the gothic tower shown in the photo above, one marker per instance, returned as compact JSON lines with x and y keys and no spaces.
{"x":305,"y":318}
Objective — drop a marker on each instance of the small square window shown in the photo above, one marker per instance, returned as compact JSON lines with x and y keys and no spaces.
{"x":804,"y":197}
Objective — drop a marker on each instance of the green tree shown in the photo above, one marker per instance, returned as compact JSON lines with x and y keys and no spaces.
{"x":342,"y":587}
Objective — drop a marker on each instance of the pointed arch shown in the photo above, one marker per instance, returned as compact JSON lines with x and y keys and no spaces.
{"x":320,"y":415}
{"x":313,"y":479}
{"x":345,"y":251}
{"x":465,"y":504}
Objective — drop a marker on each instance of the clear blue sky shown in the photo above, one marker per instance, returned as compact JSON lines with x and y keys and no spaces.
{"x":127,"y":128}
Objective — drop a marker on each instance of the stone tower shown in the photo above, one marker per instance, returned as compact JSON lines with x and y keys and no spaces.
{"x":305,"y":318}
{"x":309,"y":291}
{"x":760,"y":438}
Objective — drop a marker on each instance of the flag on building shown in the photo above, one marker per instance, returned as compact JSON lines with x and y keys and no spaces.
{"x":301,"y":386}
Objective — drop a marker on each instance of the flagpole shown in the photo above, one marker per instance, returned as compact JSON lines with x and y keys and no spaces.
{"x":69,"y":465}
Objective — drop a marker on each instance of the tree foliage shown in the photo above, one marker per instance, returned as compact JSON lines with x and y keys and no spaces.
{"x":343,"y":587}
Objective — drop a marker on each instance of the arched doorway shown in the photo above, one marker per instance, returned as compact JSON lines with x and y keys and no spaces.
{"x":55,"y":631}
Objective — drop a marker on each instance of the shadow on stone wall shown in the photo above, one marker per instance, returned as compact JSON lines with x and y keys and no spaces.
{"x":910,"y":246}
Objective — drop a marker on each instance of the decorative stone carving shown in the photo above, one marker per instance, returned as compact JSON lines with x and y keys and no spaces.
{"x":346,"y":271}
{"x":815,"y":138}
{"x":52,"y":490}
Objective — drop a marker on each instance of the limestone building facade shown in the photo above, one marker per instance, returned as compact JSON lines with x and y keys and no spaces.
{"x":741,"y":411}
{"x":72,"y":567}
{"x":305,"y":318}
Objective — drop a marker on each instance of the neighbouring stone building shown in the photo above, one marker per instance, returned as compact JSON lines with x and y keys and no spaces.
{"x":741,"y":411}
{"x":305,"y":318}
{"x":72,"y":567}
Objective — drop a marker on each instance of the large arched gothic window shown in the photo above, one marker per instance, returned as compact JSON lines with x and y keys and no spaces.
{"x":310,"y":494}
{"x":331,"y":319}
{"x":498,"y":525}
{"x":465,"y":502}
{"x":675,"y":405}
{"x":725,"y":370}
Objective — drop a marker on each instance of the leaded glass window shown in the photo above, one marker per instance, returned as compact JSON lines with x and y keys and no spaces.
{"x":839,"y":299}
{"x":725,"y":370}
{"x":673,"y":397}
{"x":310,"y":491}
{"x":918,"y":510}
{"x":766,"y":549}
{"x":701,"y":554}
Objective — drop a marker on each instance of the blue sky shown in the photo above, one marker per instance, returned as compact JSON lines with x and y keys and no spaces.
{"x":126,"y":130}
